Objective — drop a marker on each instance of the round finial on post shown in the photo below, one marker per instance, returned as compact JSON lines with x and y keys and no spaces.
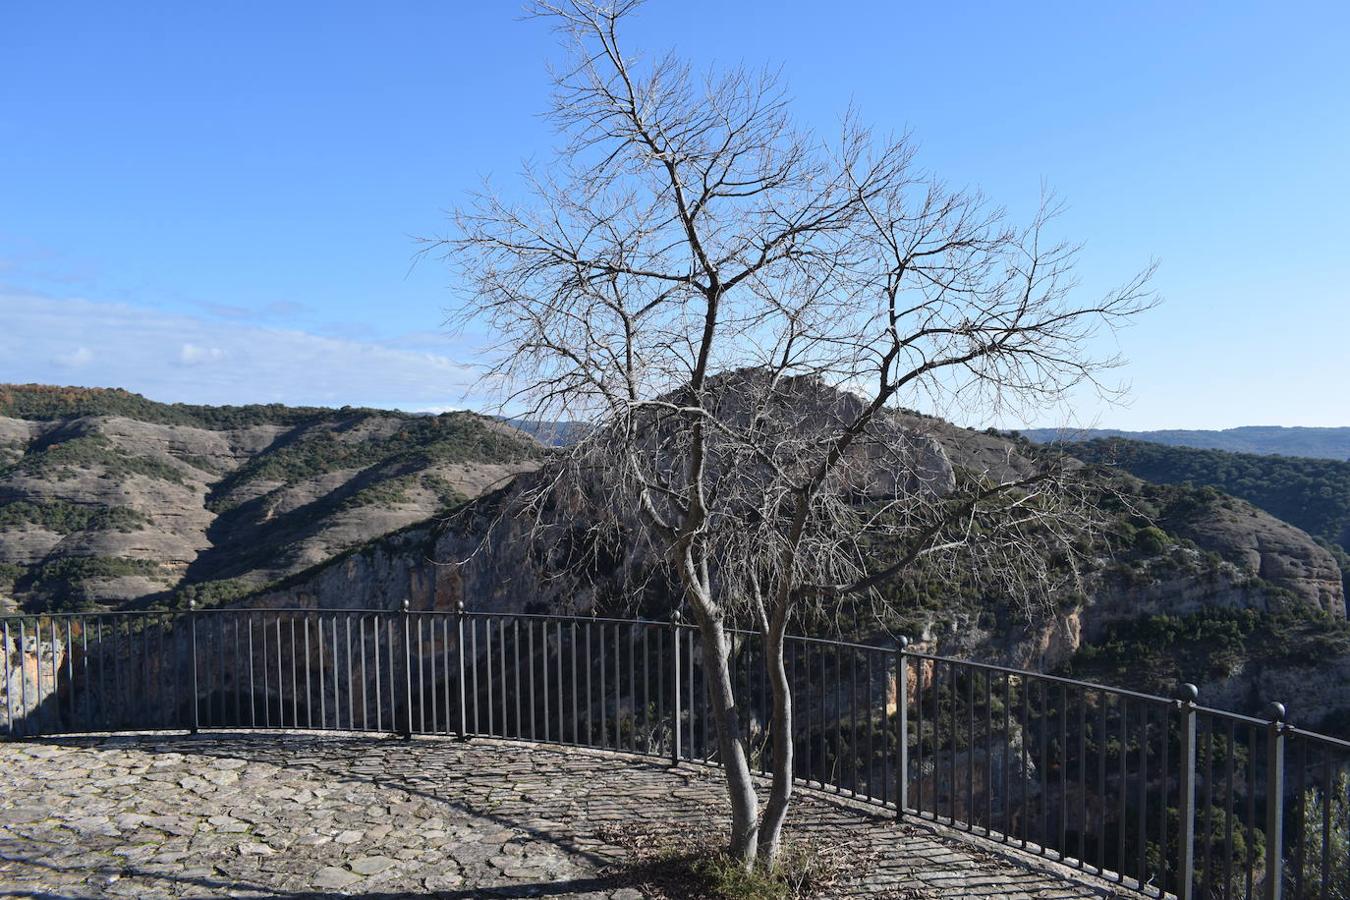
{"x":902,"y":642}
{"x":406,"y":605}
{"x":459,"y":607}
{"x":1188,"y":693}
{"x":675,"y":617}
{"x":1275,"y":711}
{"x":192,"y":605}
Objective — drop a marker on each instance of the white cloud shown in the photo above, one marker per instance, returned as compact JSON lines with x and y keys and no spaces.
{"x":75,"y":359}
{"x":171,"y":356}
{"x":192,"y":355}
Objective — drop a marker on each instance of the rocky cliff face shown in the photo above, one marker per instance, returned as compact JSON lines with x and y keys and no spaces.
{"x":109,"y":510}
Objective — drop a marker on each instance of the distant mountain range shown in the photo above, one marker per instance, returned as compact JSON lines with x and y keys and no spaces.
{"x":1319,"y":443}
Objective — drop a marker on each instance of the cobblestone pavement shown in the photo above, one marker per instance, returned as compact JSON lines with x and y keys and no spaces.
{"x":315,"y":816}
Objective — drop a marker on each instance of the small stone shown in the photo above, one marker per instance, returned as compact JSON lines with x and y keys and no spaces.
{"x":331,"y":878}
{"x":372,"y":865}
{"x":349,"y":837}
{"x":252,"y":848}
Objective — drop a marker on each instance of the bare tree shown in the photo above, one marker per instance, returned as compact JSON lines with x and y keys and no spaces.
{"x":739,"y":310}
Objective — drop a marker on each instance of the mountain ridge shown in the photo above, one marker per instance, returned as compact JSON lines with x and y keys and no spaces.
{"x":1278,"y":440}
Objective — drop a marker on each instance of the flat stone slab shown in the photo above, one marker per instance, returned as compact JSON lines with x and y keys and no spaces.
{"x":306,"y":815}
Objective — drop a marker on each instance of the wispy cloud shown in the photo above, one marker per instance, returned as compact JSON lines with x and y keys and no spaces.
{"x":169,"y":356}
{"x":75,"y":359}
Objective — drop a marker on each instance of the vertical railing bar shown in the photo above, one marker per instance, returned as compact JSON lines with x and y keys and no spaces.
{"x":196,"y":700}
{"x":661,"y":683}
{"x":836,"y":772}
{"x":604,"y":675}
{"x":515,"y":649}
{"x":473,"y":648}
{"x":632,"y":690}
{"x":337,"y":667}
{"x":1044,"y":832}
{"x":529,"y":633}
{"x":1124,"y":785}
{"x":988,"y":753}
{"x":543,"y":645}
{"x":252,"y":679}
{"x":1328,"y":795}
{"x":1301,"y":831}
{"x":351,"y":672}
{"x":375,"y":633}
{"x":1064,"y":772}
{"x":10,"y":721}
{"x":501,"y":678}
{"x":1165,"y":779}
{"x":1228,"y":801}
{"x":1103,"y":698}
{"x":70,"y":671}
{"x":405,"y":620}
{"x":91,"y":699}
{"x":646,"y":689}
{"x":1143,"y":792}
{"x":903,"y":771}
{"x":902,"y":727}
{"x":267,"y":680}
{"x":1209,"y":806}
{"x":970,"y":753}
{"x":618,"y":691}
{"x":487,"y":639}
{"x":1185,"y":879}
{"x":590,"y":694}
{"x":1249,"y":878}
{"x":1081,"y":756}
{"x":868,"y":694}
{"x":576,"y":716}
{"x":459,"y":655}
{"x":853,"y":717}
{"x":309,"y":699}
{"x":1007,"y":757}
{"x":430,"y":620}
{"x":1275,"y":803}
{"x":237,"y":674}
{"x":675,"y":712}
{"x":885,"y":731}
{"x":422,"y":683}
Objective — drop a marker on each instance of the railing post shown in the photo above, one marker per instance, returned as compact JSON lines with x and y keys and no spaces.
{"x":1275,"y":802}
{"x":1185,"y":887}
{"x":459,"y":653}
{"x":901,"y":727}
{"x":406,"y":731}
{"x":675,"y":705}
{"x":196,"y":703}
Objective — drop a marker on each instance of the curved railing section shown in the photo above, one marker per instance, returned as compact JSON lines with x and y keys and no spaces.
{"x":1161,"y":795}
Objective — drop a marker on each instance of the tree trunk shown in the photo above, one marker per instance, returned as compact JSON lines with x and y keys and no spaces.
{"x":731,"y":745}
{"x":775,"y":811}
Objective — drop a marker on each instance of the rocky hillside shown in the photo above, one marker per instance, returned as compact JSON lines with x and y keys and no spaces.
{"x":108,"y":499}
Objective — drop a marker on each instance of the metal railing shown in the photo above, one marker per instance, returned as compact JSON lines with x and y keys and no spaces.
{"x":1161,"y":795}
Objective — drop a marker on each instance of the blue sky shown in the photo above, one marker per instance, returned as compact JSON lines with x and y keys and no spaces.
{"x":218,"y":202}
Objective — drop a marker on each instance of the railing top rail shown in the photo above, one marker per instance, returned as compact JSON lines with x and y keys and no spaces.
{"x":1056,"y":679}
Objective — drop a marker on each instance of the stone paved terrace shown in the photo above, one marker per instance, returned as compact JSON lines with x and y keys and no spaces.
{"x":304,"y":815}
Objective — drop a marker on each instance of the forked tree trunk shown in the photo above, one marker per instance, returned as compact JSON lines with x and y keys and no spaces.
{"x":775,"y":811}
{"x":730,"y":744}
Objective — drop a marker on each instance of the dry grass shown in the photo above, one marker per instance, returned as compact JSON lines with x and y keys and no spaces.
{"x":675,"y":863}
